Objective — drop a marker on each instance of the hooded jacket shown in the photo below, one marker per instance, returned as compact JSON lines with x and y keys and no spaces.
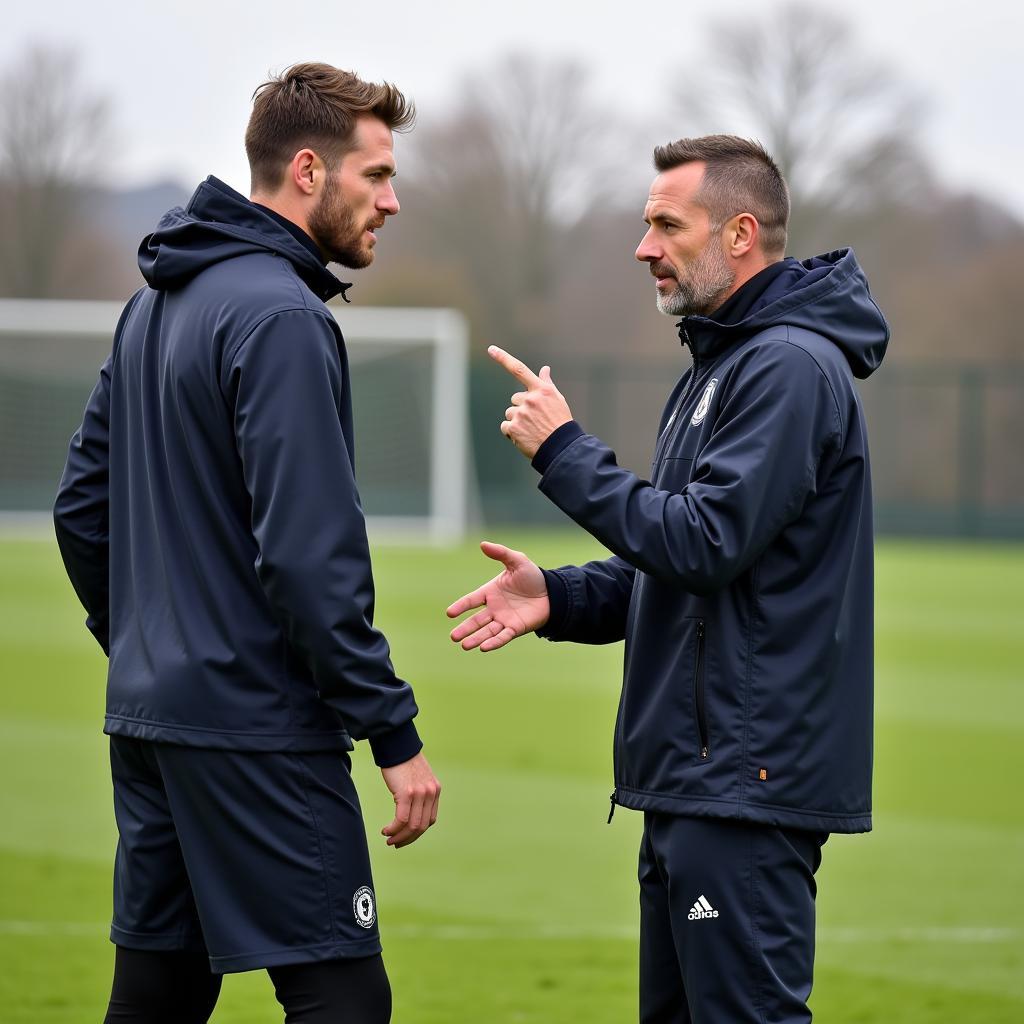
{"x":208,"y":514}
{"x":742,"y":572}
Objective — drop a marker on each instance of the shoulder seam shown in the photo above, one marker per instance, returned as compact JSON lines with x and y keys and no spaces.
{"x":237,"y":347}
{"x":788,"y":340}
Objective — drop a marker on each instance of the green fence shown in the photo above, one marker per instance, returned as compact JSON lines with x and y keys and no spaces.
{"x":946,"y":441}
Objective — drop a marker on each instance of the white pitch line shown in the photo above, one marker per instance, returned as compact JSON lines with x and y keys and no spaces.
{"x":951,"y":935}
{"x":826,"y":936}
{"x":85,"y":929}
{"x":484,"y":933}
{"x":470,"y":932}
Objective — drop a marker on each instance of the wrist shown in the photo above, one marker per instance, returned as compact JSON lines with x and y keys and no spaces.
{"x":396,"y":746}
{"x":558,"y":603}
{"x":554,"y":444}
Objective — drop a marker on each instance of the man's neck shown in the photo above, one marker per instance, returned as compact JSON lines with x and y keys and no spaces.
{"x":283,"y":208}
{"x":743,"y":275}
{"x":298,"y":229}
{"x":743,"y":299}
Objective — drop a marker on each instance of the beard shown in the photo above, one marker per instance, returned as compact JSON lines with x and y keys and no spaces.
{"x":333,"y":227}
{"x":708,"y":280}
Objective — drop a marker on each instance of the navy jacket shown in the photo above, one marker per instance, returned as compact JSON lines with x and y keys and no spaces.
{"x":742,"y":572}
{"x":208,"y":514}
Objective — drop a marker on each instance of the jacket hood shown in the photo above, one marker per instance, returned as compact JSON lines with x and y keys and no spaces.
{"x":219,"y":224}
{"x":826,"y":294}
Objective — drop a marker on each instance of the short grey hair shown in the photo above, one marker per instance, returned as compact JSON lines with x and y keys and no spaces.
{"x":739,"y":177}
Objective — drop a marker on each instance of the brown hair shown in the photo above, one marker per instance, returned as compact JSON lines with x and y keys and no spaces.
{"x":739,"y":177}
{"x":315,"y":106}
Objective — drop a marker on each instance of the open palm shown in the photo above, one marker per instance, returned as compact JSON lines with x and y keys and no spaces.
{"x":513,"y":603}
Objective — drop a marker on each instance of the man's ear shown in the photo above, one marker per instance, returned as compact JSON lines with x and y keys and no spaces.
{"x":303,"y":170}
{"x":740,"y":235}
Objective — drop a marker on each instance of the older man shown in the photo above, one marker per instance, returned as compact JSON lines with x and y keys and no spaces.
{"x":740,"y":580}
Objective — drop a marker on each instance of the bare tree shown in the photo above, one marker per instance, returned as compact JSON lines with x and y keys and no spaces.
{"x":523,"y":155}
{"x":842,"y":126}
{"x":53,"y":133}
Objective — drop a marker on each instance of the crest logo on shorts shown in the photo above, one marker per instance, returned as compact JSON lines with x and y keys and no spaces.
{"x":705,"y":401}
{"x":364,"y":907}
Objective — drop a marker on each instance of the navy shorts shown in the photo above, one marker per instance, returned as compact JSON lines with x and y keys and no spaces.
{"x":256,"y":859}
{"x":726,"y":921}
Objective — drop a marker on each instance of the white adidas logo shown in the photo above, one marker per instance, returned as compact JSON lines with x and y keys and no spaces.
{"x":701,"y":909}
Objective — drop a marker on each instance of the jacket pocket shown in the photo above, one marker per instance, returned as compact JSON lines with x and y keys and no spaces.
{"x":663,"y":734}
{"x":700,"y":698}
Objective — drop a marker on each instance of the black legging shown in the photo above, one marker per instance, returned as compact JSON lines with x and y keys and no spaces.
{"x":179,"y":988}
{"x":334,"y":991}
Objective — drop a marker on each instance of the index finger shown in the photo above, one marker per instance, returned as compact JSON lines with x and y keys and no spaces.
{"x":516,"y":367}
{"x":472,"y":600}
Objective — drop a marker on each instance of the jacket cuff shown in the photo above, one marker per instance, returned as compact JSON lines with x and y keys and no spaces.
{"x":397,"y":746}
{"x":554,"y":444}
{"x":558,"y":601}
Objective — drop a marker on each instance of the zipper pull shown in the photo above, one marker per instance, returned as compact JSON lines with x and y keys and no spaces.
{"x":612,"y":801}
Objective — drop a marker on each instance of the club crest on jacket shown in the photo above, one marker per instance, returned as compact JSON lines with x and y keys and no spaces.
{"x":705,"y":401}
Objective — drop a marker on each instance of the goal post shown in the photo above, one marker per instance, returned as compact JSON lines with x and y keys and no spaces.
{"x":420,"y":355}
{"x":409,"y":370}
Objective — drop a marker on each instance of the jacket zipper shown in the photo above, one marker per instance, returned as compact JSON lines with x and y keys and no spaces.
{"x":659,"y":449}
{"x":698,"y":695}
{"x":673,"y":426}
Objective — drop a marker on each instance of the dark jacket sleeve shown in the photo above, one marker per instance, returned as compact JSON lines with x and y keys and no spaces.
{"x":589,"y":602}
{"x":286,"y":382}
{"x":81,"y":511}
{"x":778,"y":416}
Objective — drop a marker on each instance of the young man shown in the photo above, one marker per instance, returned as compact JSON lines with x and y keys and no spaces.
{"x":209,"y":521}
{"x":741,"y":582}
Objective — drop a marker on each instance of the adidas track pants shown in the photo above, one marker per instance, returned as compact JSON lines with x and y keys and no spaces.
{"x":726,"y":921}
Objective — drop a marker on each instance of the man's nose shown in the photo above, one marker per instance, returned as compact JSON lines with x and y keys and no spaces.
{"x":388,"y":203}
{"x":647,"y":251}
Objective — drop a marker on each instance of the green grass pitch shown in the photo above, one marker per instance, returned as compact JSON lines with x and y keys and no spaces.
{"x":521,"y":905}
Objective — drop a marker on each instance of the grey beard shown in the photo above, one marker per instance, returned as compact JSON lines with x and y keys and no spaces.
{"x":709,"y":281}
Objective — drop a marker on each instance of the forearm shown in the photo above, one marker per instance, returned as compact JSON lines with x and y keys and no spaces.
{"x":87,"y":566}
{"x":287,"y":384}
{"x":660,"y":532}
{"x":81,"y":511}
{"x":707,"y":518}
{"x":589,"y":602}
{"x":350,"y":662}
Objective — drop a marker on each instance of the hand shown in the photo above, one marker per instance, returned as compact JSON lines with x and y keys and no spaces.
{"x":514,"y":602}
{"x":417,"y":792}
{"x":535,"y":413}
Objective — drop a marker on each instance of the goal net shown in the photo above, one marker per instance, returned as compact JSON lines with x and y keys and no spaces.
{"x":409,"y":385}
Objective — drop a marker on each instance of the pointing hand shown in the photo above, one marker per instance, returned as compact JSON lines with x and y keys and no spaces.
{"x":534,"y":413}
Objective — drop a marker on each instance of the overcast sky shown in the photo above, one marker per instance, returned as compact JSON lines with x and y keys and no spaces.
{"x":181,"y":74}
